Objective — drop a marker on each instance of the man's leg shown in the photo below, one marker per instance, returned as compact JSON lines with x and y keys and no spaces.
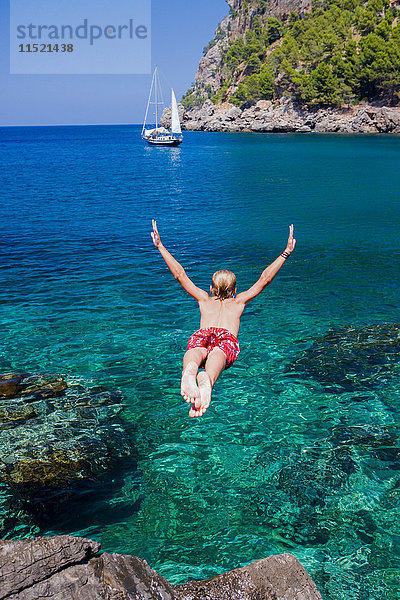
{"x":214,"y":366}
{"x":192,"y":359}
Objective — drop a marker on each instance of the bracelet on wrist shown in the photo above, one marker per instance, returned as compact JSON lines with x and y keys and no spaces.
{"x":285,"y":254}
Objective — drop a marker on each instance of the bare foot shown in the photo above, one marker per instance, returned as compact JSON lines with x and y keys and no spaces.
{"x":200,"y":405}
{"x":189,"y":389}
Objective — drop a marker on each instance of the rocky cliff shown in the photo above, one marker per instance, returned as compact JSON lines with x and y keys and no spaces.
{"x":281,"y":65}
{"x":286,"y":116}
{"x":211,"y":75}
{"x":69,"y":568}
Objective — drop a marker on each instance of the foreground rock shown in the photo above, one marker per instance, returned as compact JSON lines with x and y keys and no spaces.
{"x":67,"y":568}
{"x":54,"y":433}
{"x":286,"y":117}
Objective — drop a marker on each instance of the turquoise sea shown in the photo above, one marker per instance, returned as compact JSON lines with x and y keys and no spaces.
{"x":284,"y":460}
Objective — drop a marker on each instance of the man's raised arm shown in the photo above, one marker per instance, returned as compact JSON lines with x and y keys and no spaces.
{"x":269,"y":273}
{"x":176,"y":268}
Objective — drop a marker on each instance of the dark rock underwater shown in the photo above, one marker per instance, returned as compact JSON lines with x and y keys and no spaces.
{"x":55,"y":433}
{"x":349,"y":359}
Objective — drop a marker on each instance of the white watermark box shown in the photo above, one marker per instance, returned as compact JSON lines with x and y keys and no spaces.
{"x":67,"y":37}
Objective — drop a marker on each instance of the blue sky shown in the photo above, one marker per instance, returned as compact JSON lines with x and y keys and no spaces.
{"x":180,"y":30}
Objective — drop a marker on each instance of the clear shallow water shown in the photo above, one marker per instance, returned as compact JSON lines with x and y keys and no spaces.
{"x":84,"y":292}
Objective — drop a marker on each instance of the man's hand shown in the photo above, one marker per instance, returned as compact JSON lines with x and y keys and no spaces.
{"x":155,"y":235}
{"x":291,"y":243}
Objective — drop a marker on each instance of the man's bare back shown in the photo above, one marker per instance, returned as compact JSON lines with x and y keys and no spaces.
{"x":221,"y":313}
{"x":215,"y":345}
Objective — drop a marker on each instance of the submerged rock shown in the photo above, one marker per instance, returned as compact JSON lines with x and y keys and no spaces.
{"x":31,"y":386}
{"x":363,"y":435}
{"x":13,"y":517}
{"x":54,"y":433}
{"x":350,"y":359}
{"x":300,"y":491}
{"x":382,"y":443}
{"x":66,"y":567}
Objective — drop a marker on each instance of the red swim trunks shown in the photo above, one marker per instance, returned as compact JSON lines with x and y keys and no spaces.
{"x":216,"y":337}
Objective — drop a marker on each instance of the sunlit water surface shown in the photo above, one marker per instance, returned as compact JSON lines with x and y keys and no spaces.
{"x":83,"y":292}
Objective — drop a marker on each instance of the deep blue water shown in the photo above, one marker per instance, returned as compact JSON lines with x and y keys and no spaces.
{"x":84,"y":292}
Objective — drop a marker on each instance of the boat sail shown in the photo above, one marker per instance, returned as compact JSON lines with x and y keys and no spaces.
{"x":160,"y":136}
{"x":175,"y":123}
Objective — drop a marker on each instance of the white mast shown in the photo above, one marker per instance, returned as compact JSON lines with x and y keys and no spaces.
{"x":156,"y":99}
{"x":148,"y":101}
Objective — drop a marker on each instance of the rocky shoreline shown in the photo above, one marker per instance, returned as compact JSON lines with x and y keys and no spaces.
{"x":219,"y":76}
{"x":69,"y":568}
{"x":287,"y":117}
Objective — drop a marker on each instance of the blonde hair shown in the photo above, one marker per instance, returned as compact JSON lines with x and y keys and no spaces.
{"x":223,"y":284}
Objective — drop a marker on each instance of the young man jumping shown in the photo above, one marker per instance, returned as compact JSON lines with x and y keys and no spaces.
{"x":215,"y":345}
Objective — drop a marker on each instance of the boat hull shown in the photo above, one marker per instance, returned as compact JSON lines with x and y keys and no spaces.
{"x":156,"y":142}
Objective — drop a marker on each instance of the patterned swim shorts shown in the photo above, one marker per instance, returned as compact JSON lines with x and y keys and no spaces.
{"x":216,"y":337}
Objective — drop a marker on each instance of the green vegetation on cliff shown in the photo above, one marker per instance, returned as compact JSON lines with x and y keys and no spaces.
{"x":341,"y":52}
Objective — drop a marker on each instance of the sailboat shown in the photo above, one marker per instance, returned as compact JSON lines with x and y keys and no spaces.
{"x":160,"y":136}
